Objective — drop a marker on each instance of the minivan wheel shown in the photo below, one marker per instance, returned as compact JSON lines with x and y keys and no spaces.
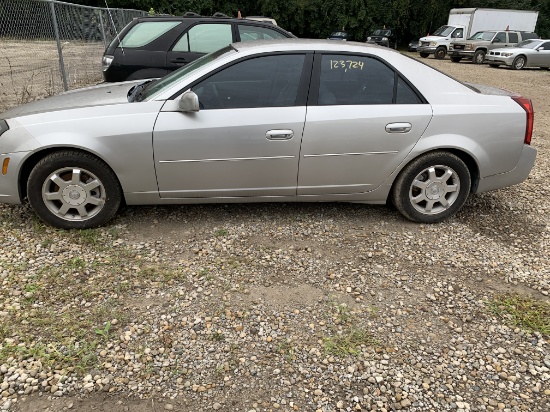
{"x":73,"y":190}
{"x":432,"y":188}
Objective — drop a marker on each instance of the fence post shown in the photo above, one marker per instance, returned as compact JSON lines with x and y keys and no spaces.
{"x":102,"y":27}
{"x":59,"y":49}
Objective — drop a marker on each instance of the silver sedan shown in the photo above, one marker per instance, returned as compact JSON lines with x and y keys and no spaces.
{"x":529,"y":53}
{"x":278,"y":121}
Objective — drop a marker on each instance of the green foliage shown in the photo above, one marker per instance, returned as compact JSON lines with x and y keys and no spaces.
{"x":317,"y":18}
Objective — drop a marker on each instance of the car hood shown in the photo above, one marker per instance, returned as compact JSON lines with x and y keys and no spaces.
{"x":512,"y":50}
{"x":100,"y":95}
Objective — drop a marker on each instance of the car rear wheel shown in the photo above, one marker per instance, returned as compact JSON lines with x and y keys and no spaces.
{"x":440,"y":53}
{"x":519,"y":63}
{"x":73,"y":190}
{"x":424,"y":55}
{"x":432,"y":188}
{"x":479,"y":57}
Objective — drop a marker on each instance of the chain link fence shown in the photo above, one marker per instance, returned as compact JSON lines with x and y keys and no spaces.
{"x":49,"y":46}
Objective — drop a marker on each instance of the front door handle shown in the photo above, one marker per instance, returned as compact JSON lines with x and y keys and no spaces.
{"x":279,"y":134}
{"x":178,"y":60}
{"x":398,"y":127}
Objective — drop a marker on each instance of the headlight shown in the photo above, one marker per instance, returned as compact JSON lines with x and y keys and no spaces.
{"x":506,"y":54}
{"x":368,"y":38}
{"x":469,"y":47}
{"x":451,"y":47}
{"x":107,"y":60}
{"x":3,"y":127}
{"x":384,"y":39}
{"x":432,"y":43}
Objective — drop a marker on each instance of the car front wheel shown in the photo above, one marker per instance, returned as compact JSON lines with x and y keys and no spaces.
{"x":518,"y":63}
{"x":432,"y":188}
{"x":73,"y":190}
{"x":479,"y":57}
{"x":424,"y":55}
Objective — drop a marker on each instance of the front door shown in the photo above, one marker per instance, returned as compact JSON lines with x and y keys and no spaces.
{"x":244,"y":141}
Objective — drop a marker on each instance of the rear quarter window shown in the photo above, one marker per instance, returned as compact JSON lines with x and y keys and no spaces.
{"x":144,"y":33}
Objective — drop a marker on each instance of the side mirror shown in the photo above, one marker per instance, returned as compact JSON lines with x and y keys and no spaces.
{"x":189,"y":102}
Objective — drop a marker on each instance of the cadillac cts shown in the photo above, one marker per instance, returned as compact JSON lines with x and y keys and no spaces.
{"x":278,"y":121}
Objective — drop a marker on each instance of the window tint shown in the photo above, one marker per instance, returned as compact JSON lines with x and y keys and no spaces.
{"x":250,"y":33}
{"x":270,"y":81}
{"x":406,"y":95}
{"x":500,"y":37}
{"x":144,"y":33}
{"x":205,"y":38}
{"x":347,"y":80}
{"x":545,"y":46}
{"x":513,"y":38}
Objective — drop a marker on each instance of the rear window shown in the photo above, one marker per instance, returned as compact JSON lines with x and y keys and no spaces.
{"x":144,"y":33}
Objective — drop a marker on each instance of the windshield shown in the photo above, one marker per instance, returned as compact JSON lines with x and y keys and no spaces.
{"x":443,"y":31}
{"x":483,"y":35}
{"x":338,"y":34}
{"x":381,"y":32}
{"x":158,"y":86}
{"x":528,"y":44}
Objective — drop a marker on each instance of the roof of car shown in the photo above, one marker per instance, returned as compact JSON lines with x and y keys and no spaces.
{"x":199,"y":18}
{"x":306,"y":44}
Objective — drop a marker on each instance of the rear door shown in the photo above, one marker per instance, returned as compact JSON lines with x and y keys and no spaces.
{"x":363,"y":120}
{"x":198,"y":40}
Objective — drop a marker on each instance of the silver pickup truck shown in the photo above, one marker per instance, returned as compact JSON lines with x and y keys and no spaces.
{"x":477,"y":46}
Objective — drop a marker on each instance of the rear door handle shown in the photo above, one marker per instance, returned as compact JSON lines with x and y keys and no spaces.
{"x":279,"y":134}
{"x":398,"y":127}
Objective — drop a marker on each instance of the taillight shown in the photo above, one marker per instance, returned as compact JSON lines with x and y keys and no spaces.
{"x":527,"y":105}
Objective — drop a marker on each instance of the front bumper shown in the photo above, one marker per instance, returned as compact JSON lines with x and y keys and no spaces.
{"x":491,"y":59}
{"x":9,"y":183}
{"x":384,"y":43}
{"x":426,"y":49}
{"x":514,"y":176}
{"x":462,"y":53}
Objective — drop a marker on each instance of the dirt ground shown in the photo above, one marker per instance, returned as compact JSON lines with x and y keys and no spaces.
{"x":31,"y":70}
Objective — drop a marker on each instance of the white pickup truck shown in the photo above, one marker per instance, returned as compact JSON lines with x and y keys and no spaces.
{"x":464,"y":23}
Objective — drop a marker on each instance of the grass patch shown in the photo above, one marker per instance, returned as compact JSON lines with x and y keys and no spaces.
{"x":348,"y":343}
{"x":522,"y":311}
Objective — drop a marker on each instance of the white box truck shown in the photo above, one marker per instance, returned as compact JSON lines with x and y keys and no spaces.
{"x":463,"y":23}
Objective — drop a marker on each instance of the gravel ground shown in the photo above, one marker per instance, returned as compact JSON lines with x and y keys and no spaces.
{"x":306,"y":307}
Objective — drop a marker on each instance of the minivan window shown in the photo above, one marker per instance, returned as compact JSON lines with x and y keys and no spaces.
{"x":144,"y":33}
{"x":513,"y":38}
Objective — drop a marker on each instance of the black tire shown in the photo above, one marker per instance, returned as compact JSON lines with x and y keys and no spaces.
{"x":519,"y":62}
{"x":494,"y":66}
{"x":545,"y":68}
{"x":91,"y":196}
{"x":455,"y":59}
{"x":440,"y":53}
{"x":479,"y":57}
{"x":436,"y":201}
{"x":424,"y":55}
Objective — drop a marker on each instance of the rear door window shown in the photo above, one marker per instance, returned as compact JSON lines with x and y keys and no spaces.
{"x":500,"y":37}
{"x":144,"y":33}
{"x":513,"y":38}
{"x":251,"y":33}
{"x":205,"y":38}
